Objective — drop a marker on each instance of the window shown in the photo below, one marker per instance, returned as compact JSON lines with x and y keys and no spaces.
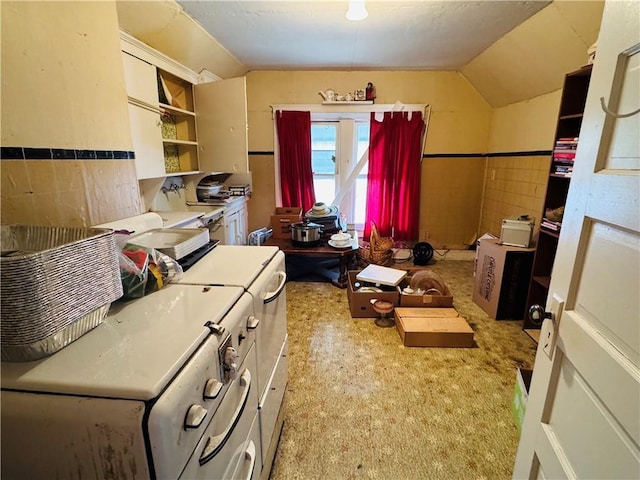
{"x":336,"y":148}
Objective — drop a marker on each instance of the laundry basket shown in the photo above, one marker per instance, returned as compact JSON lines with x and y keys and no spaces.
{"x":56,"y":284}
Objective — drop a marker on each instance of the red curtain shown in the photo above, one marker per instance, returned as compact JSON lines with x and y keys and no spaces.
{"x":393,"y":188}
{"x":294,"y":144}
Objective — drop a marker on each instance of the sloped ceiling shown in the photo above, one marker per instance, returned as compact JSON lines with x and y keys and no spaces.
{"x":533,"y":58}
{"x":527,"y":61}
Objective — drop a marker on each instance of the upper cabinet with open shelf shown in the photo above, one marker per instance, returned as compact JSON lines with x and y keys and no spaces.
{"x":175,"y":130}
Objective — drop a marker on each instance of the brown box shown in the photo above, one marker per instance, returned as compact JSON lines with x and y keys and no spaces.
{"x":419,"y":327}
{"x":445,"y":300}
{"x":283,"y":218}
{"x":502,"y":279}
{"x":360,"y":302}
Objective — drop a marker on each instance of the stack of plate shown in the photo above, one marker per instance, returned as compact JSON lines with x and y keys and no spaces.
{"x":175,"y":242}
{"x":327,"y":216}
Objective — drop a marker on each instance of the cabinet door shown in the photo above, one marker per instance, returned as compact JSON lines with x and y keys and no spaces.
{"x":243,"y":225}
{"x":231,"y":228}
{"x":221,"y":115}
{"x":146,"y":135}
{"x":140,"y":79}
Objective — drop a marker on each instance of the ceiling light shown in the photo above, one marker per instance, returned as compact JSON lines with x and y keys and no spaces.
{"x":356,"y":11}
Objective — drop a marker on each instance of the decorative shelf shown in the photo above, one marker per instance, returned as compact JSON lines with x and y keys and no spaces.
{"x":354,"y":102}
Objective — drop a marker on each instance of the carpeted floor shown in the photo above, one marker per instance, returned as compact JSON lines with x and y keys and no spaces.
{"x":359,"y":404}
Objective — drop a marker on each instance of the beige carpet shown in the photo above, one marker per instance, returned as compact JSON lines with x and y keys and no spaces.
{"x":361,"y":405}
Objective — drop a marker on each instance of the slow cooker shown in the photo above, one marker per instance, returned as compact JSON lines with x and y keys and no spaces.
{"x":306,"y":234}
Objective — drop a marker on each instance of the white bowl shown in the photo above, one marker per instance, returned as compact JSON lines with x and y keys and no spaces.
{"x":341,"y":238}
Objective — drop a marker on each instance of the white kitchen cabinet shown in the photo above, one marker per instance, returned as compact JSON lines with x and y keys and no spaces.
{"x":146,"y":134}
{"x":140,"y":80}
{"x":221,"y":110}
{"x":236,"y":225}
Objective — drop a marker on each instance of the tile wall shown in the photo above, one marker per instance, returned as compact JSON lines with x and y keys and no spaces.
{"x":514,"y":186}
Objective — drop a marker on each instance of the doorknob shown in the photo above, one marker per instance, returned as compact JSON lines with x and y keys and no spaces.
{"x":549,"y":322}
{"x":537,"y":314}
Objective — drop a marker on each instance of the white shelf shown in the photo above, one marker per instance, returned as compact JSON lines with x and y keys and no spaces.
{"x":179,"y":174}
{"x":354,"y":102}
{"x":176,"y":111}
{"x":175,"y":141}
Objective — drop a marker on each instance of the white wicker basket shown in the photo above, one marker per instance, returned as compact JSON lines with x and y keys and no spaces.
{"x":56,"y":284}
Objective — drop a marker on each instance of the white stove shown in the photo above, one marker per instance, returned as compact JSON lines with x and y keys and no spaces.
{"x":168,"y":386}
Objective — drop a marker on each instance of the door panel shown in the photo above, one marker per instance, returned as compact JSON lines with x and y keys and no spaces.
{"x":221,"y":113}
{"x":583,"y":414}
{"x":609,"y":282}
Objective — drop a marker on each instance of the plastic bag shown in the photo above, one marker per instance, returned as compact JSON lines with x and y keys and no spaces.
{"x":144,"y":270}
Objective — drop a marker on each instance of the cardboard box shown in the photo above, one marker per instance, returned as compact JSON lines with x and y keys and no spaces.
{"x":282,"y":219}
{"x":520,"y":396}
{"x":475,"y":260}
{"x":432,"y":327}
{"x":445,"y":300}
{"x":502,"y":279}
{"x":360,"y":302}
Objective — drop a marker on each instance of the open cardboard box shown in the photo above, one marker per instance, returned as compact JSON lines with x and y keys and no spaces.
{"x":406,"y":300}
{"x":360,"y":302}
{"x":432,"y":327}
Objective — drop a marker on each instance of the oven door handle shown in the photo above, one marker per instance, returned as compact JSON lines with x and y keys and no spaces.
{"x":271,"y":296}
{"x":216,"y":442}
{"x":250,"y":454}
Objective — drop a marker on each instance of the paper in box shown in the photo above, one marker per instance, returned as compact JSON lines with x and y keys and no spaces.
{"x":432,"y":327}
{"x":282,"y":219}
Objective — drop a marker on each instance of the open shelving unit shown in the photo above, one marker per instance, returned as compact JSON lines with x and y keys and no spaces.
{"x":572,"y":103}
{"x":179,"y":138}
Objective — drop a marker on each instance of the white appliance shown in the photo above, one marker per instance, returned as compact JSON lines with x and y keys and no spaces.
{"x":166,"y":387}
{"x":260,"y":270}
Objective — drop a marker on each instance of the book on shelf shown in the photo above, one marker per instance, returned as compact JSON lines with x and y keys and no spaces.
{"x":550,"y":225}
{"x":564,"y":154}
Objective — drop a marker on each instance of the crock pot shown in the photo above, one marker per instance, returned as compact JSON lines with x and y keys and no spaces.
{"x":306,"y":234}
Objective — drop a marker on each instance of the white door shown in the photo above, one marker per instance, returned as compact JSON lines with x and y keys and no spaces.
{"x":221,"y":112}
{"x":583,"y":413}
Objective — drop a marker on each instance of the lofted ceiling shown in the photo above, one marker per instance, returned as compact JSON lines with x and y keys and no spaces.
{"x":396,"y":35}
{"x":508,"y":50}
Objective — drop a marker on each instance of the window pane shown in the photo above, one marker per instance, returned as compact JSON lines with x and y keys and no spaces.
{"x":323,"y":149}
{"x":360,"y":199}
{"x":325,"y":188}
{"x":363,"y":143}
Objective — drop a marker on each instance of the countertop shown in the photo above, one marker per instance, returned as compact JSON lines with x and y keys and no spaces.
{"x":171,"y":219}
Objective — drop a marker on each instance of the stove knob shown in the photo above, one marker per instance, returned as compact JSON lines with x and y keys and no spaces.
{"x":195,"y":416}
{"x":212,"y":389}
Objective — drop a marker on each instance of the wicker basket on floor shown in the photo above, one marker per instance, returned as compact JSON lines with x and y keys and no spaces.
{"x":379,"y":251}
{"x":56,"y":284}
